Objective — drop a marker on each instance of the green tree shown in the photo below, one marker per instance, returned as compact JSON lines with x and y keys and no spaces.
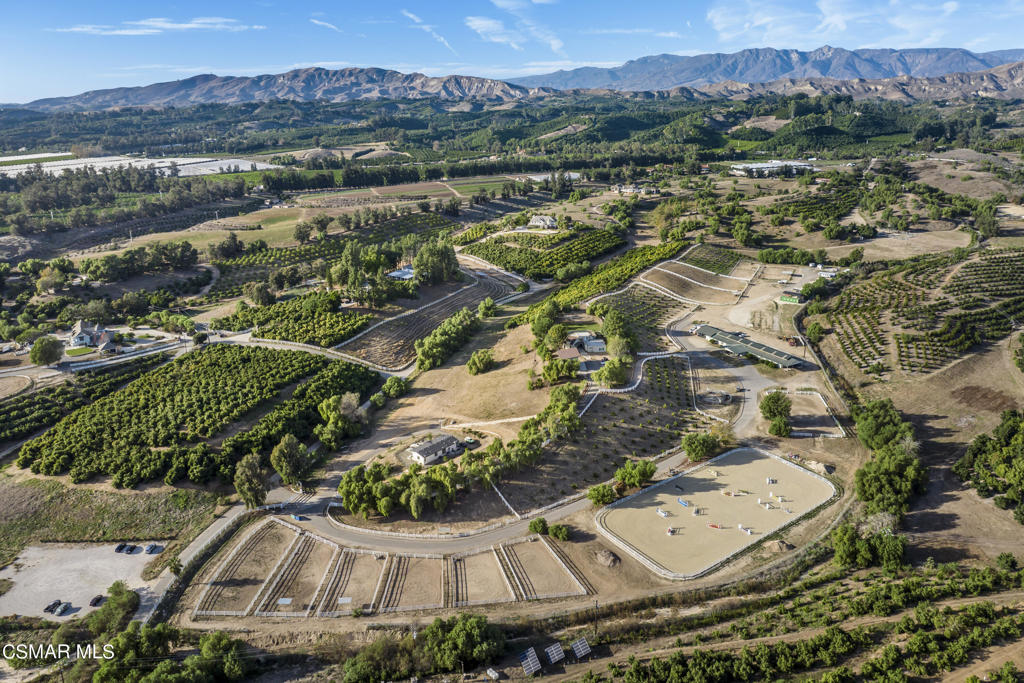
{"x":775,"y":405}
{"x":636,"y":473}
{"x":700,"y":445}
{"x":249,"y":481}
{"x":482,"y":360}
{"x":601,"y":494}
{"x":46,"y":350}
{"x":780,"y":427}
{"x":302,"y":232}
{"x":815,"y":332}
{"x":290,"y":458}
{"x":538,"y":525}
{"x":559,"y":531}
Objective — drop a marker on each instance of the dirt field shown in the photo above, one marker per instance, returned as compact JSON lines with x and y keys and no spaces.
{"x":413,"y":582}
{"x":478,"y":578}
{"x":906,"y":244}
{"x":687,"y":289}
{"x":12,"y":384}
{"x":243,"y":574}
{"x":810,"y":416}
{"x":351,"y":585}
{"x":539,"y":573}
{"x":299,"y":580}
{"x":966,"y":179}
{"x":695,"y":546}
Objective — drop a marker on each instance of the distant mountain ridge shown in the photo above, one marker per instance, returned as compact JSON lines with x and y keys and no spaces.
{"x":762,"y":65}
{"x":300,"y":84}
{"x":1005,"y":81}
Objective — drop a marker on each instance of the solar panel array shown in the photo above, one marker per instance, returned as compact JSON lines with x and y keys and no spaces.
{"x":580,"y":648}
{"x":554,"y":653}
{"x":529,"y":662}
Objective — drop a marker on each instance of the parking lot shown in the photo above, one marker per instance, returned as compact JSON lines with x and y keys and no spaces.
{"x":72,"y":572}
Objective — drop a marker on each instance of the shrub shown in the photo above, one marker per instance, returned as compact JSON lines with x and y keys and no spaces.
{"x":601,"y":494}
{"x":559,"y":531}
{"x":538,"y":526}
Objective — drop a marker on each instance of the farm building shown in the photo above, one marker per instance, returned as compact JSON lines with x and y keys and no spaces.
{"x":85,"y":333}
{"x":546,"y":222}
{"x":771,"y":168}
{"x":791,"y":297}
{"x":427,"y":452}
{"x":740,"y":345}
{"x":403,"y":273}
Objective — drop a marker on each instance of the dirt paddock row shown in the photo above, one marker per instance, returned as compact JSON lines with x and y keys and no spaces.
{"x":715,"y":511}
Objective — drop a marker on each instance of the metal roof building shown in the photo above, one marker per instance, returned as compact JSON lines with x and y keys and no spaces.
{"x":741,"y":345}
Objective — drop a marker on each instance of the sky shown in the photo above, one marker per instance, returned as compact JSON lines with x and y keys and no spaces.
{"x":64,"y":47}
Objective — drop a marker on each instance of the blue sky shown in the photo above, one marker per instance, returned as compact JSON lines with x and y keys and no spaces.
{"x":60,"y":47}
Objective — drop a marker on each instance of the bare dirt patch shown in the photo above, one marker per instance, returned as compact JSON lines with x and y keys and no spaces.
{"x":985,"y":398}
{"x":10,"y":385}
{"x":299,"y":580}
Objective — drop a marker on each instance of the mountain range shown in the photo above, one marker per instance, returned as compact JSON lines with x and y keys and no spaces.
{"x":761,"y":65}
{"x":924,"y":73}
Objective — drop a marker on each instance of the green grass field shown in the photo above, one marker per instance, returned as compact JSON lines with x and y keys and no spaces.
{"x":81,"y":351}
{"x":47,"y":511}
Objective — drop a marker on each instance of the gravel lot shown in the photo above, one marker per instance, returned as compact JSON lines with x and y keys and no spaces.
{"x":73,"y":572}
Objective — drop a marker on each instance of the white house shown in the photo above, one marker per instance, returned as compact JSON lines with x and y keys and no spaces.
{"x":403,"y":273}
{"x":427,"y":452}
{"x":84,"y":333}
{"x":546,"y":222}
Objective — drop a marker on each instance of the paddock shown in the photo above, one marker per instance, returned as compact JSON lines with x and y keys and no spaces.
{"x":740,"y":498}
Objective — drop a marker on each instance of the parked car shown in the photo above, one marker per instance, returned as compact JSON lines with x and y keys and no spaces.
{"x":96,"y":600}
{"x":129,"y":549}
{"x":151,"y":548}
{"x":120,"y":547}
{"x":52,"y":606}
{"x":62,"y":608}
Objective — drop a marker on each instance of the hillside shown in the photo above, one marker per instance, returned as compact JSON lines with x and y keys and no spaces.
{"x":300,"y":84}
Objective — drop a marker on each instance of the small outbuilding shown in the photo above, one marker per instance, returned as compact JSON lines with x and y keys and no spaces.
{"x":440,"y":447}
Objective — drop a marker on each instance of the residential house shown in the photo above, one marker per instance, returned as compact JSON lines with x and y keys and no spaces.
{"x":403,"y":273}
{"x":545,"y":222}
{"x":84,"y":333}
{"x":440,"y":447}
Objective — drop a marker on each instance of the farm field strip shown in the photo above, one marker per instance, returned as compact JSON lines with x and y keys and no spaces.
{"x":353,"y":582}
{"x":391,"y":343}
{"x":414,"y":583}
{"x":687,"y":289}
{"x":478,"y":579}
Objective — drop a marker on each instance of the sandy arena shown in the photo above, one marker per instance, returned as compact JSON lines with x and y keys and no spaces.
{"x":725,"y":493}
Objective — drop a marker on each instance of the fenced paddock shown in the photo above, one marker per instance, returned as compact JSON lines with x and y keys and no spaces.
{"x":725,"y":491}
{"x":352,"y":582}
{"x":538,"y":572}
{"x":413,"y":582}
{"x":295,"y":588}
{"x":244,"y":571}
{"x":477,"y":579}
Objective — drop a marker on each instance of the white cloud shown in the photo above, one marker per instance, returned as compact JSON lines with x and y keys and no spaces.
{"x":326,"y":24}
{"x":526,"y":24}
{"x":494,"y":31}
{"x":428,"y":29}
{"x":157,"y":25}
{"x":851,"y":23}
